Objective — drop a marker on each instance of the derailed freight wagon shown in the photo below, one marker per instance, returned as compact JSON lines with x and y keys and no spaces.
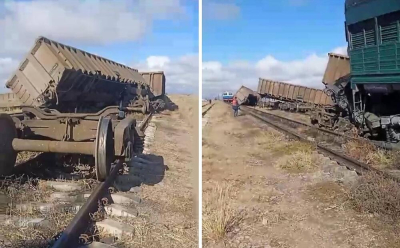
{"x":74,"y":102}
{"x":9,"y":103}
{"x":156,"y":82}
{"x":292,"y":97}
{"x":246,"y":96}
{"x":338,"y":66}
{"x":66,"y":78}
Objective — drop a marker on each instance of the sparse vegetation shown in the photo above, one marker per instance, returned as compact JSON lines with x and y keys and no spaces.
{"x":298,"y":157}
{"x":219,"y":216}
{"x":18,"y":234}
{"x":370,"y":154}
{"x":328,"y":192}
{"x":293,"y":147}
{"x":298,"y":162}
{"x":378,"y":195}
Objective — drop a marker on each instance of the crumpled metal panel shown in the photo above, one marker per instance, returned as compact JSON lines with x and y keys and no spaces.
{"x":337,"y":67}
{"x":52,"y":71}
{"x":243,"y":94}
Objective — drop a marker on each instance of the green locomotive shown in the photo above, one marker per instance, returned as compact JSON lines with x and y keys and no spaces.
{"x":370,"y":95}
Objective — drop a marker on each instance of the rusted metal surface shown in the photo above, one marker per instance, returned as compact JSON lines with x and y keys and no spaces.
{"x":156,"y":81}
{"x":54,"y":72}
{"x":123,"y":134}
{"x":53,"y":146}
{"x":293,"y":93}
{"x":337,"y":67}
{"x":246,"y":96}
{"x":79,"y":223}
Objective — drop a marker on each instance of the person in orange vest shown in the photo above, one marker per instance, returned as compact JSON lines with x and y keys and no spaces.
{"x":235,"y":106}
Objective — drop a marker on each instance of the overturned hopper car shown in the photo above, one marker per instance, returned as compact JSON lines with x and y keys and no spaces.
{"x":71,"y":80}
{"x":293,"y":97}
{"x":156,"y":82}
{"x":338,"y":66}
{"x":246,"y":96}
{"x":73,"y":103}
{"x":9,"y":103}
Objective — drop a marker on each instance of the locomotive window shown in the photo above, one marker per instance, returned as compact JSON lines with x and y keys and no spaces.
{"x":389,"y":27}
{"x":362,"y":34}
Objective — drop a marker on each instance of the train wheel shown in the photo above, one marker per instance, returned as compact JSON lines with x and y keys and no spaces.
{"x":7,"y":154}
{"x":104,"y":153}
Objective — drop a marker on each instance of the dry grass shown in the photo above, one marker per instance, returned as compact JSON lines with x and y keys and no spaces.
{"x":36,"y":236}
{"x":298,"y":157}
{"x":148,"y":234}
{"x":219,"y":216}
{"x":377,"y":195}
{"x":328,"y":192}
{"x":369,"y":154}
{"x":293,"y":147}
{"x":30,"y":191}
{"x":298,"y":162}
{"x":268,"y":140}
{"x":19,"y":234}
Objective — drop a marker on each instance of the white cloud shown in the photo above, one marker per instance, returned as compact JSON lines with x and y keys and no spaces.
{"x":181,"y":74}
{"x":93,"y":22}
{"x":7,"y":66}
{"x":340,"y":50}
{"x":220,"y":11}
{"x":218,"y":78}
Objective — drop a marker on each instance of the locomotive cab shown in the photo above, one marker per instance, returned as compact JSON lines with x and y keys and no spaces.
{"x":373,"y":36}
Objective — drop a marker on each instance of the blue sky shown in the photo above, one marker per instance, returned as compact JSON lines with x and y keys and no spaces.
{"x":287,"y":29}
{"x":172,"y":38}
{"x":148,"y":35}
{"x":282,"y":40}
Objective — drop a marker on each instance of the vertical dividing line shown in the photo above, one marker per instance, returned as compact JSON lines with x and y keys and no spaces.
{"x":200,"y":205}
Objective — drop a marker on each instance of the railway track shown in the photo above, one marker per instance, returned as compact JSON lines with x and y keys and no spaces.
{"x":93,"y":208}
{"x":327,"y":142}
{"x":204,"y":112}
{"x":98,"y":201}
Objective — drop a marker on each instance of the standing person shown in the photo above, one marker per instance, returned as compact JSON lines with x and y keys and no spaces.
{"x":235,"y":106}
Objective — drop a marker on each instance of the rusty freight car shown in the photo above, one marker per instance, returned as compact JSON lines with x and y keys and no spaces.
{"x":338,"y":66}
{"x":74,"y":103}
{"x":292,"y":97}
{"x":246,"y":96}
{"x":69,"y":80}
{"x":156,"y":82}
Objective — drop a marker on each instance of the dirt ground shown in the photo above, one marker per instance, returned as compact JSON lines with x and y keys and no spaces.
{"x":260,"y":190}
{"x":168,"y":215}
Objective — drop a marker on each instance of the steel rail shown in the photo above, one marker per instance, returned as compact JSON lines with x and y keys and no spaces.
{"x":306,"y":124}
{"x":205,"y":111}
{"x":342,"y":159}
{"x":381,"y":144}
{"x":145,"y":122}
{"x":78,"y":225}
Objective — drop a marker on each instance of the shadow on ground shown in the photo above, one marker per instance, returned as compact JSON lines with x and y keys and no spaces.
{"x":148,"y":169}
